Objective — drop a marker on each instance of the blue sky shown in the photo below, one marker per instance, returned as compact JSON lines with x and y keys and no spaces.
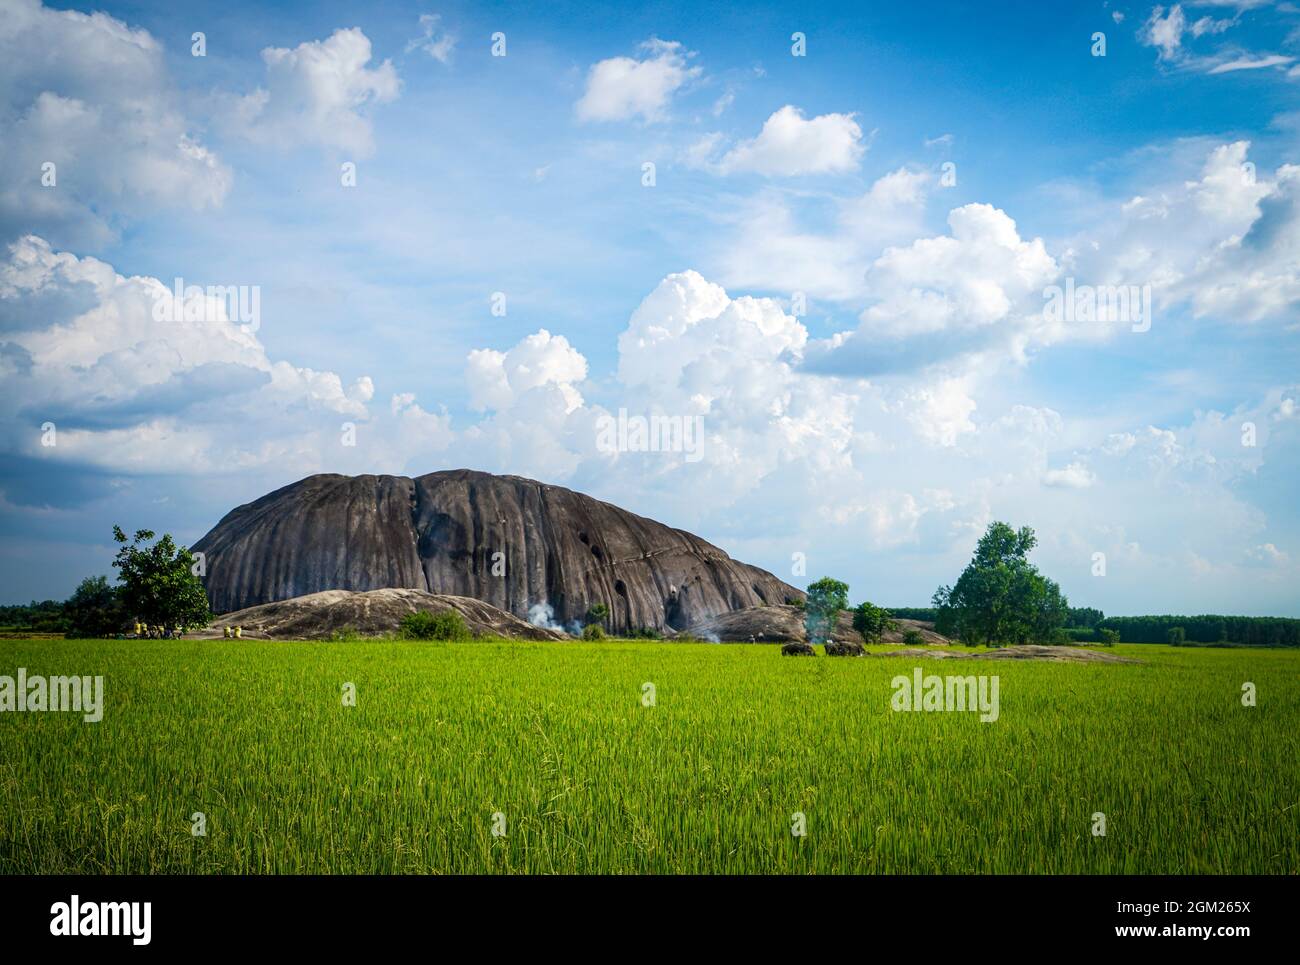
{"x":917,"y":180}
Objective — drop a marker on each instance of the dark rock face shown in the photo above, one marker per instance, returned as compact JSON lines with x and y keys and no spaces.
{"x":440,"y":533}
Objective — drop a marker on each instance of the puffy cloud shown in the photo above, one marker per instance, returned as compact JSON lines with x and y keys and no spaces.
{"x":621,"y":88}
{"x":976,"y":290}
{"x":789,"y":145}
{"x":319,"y":92}
{"x":692,"y":351}
{"x":135,"y":380}
{"x":1226,"y":243}
{"x":688,"y":334}
{"x":973,"y":278}
{"x":770,"y":251}
{"x":90,"y":95}
{"x":497,"y":380}
{"x":536,"y":417}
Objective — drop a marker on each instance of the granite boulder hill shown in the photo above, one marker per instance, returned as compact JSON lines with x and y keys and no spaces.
{"x":441,"y":533}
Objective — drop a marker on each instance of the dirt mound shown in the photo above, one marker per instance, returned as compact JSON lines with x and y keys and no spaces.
{"x":777,"y":624}
{"x":317,"y":616}
{"x":1023,"y":652}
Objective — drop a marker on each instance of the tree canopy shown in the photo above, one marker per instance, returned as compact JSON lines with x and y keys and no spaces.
{"x":826,"y":598}
{"x":871,"y":621}
{"x":1001,"y":597}
{"x":94,"y":609}
{"x":159,"y":585}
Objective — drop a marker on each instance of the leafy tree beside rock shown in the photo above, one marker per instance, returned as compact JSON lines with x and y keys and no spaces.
{"x":158,"y":584}
{"x":1001,"y":598}
{"x":871,"y":621}
{"x":826,"y":598}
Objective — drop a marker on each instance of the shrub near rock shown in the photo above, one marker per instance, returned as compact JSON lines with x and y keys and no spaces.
{"x":422,"y":625}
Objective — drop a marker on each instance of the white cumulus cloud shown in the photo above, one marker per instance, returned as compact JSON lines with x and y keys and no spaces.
{"x":91,"y":95}
{"x":789,"y":144}
{"x":621,"y":88}
{"x":320,"y":92}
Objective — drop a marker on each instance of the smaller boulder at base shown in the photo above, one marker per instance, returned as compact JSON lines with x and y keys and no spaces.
{"x":797,"y":648}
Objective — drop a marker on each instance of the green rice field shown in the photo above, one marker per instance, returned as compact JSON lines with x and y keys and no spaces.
{"x":552,"y":746}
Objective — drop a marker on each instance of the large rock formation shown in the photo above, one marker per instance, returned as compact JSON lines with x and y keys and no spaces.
{"x":441,"y":533}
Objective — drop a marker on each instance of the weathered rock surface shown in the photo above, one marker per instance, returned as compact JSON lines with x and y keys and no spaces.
{"x":439,"y":533}
{"x":776,"y":624}
{"x":319,"y":615}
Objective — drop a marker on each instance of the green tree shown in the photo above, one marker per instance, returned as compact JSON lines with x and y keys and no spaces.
{"x":826,"y":598}
{"x":1177,"y":636}
{"x":158,"y":583}
{"x":871,"y":621}
{"x":1108,"y":636}
{"x":597,"y":613}
{"x":1001,"y":597}
{"x":94,"y":609}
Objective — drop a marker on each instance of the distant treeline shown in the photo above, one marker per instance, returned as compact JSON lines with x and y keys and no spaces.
{"x":1209,"y":628}
{"x":46,"y":616}
{"x":926,"y":613}
{"x":1079,"y":616}
{"x":1084,"y":622}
